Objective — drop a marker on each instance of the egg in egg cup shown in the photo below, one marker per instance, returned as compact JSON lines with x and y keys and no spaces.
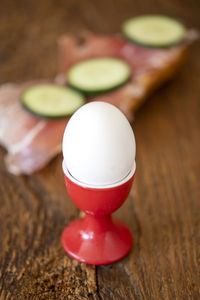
{"x":99,"y":165}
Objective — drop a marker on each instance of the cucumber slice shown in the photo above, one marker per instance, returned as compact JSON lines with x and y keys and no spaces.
{"x":51,"y":101}
{"x":93,"y":76}
{"x":154,"y":30}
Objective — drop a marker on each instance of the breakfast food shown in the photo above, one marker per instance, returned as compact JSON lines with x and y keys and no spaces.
{"x":99,"y":144}
{"x":102,"y":68}
{"x":154,"y":31}
{"x":98,"y":75}
{"x":51,"y":100}
{"x":150,"y":67}
{"x":31,"y":142}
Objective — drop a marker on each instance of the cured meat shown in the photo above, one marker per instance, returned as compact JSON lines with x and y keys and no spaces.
{"x":31,"y":142}
{"x":150,"y":67}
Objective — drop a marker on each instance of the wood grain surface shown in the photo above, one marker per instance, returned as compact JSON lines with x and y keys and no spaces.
{"x":163,"y":209}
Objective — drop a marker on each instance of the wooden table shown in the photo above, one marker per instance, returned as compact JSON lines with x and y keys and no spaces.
{"x":163,"y":210}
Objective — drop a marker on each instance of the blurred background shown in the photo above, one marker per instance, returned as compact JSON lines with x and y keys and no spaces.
{"x":29,"y":29}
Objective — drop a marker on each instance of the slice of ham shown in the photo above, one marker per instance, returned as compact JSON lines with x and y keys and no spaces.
{"x":150,"y":67}
{"x":31,"y":142}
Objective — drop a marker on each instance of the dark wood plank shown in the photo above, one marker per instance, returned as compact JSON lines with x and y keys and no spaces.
{"x":163,"y":210}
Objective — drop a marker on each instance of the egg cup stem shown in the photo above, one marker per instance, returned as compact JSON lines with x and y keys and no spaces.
{"x":97,"y":240}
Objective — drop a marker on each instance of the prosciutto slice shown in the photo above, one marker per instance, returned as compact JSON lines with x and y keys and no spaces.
{"x":150,"y":67}
{"x":31,"y":142}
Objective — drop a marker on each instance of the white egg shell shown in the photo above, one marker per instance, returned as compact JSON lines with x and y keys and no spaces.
{"x":98,"y":144}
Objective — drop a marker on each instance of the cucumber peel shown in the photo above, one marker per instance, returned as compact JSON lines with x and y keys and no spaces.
{"x":154,"y":31}
{"x":97,"y":75}
{"x":51,"y":101}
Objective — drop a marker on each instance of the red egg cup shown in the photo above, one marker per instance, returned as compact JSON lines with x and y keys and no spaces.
{"x":97,"y":239}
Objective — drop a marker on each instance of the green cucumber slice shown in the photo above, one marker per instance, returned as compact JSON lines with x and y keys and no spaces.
{"x":98,"y":74}
{"x":51,"y":101}
{"x":154,"y":30}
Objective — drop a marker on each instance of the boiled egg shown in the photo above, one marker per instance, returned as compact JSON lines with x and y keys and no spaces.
{"x":99,"y":145}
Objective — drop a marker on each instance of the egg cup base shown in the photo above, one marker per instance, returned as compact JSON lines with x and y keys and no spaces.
{"x":97,"y":241}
